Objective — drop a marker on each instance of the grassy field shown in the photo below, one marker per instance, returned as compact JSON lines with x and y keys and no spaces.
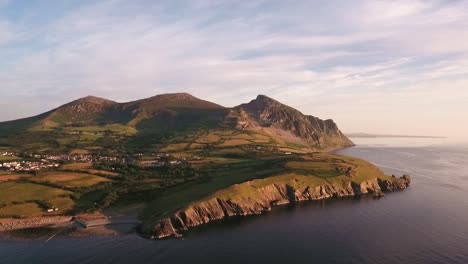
{"x":101,"y":172}
{"x":175,"y":147}
{"x":217,"y":178}
{"x":21,"y":210}
{"x":23,"y":192}
{"x":210,"y":138}
{"x":321,"y":167}
{"x":216,"y":140}
{"x":86,"y":167}
{"x":69,"y":179}
{"x":4,"y":177}
{"x":26,"y":195}
{"x":100,"y":130}
{"x":229,"y":151}
{"x":235,"y":142}
{"x":8,"y":158}
{"x":250,"y":189}
{"x":314,"y":170}
{"x":18,"y":199}
{"x":77,"y":166}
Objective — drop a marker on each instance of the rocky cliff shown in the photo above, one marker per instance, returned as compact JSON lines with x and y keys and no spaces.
{"x":288,"y":124}
{"x":262,"y":200}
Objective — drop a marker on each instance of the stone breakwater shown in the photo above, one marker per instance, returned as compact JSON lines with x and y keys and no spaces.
{"x":9,"y":224}
{"x":262,"y":201}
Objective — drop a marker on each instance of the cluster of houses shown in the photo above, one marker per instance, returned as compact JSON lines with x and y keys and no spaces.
{"x":64,"y":157}
{"x":111,"y":159}
{"x":36,"y":162}
{"x":28,"y":165}
{"x":162,"y":159}
{"x":7,"y":154}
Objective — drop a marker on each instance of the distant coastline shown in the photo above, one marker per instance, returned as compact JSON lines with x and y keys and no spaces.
{"x":368,"y":135}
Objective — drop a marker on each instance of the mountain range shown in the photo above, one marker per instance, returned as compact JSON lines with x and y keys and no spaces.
{"x":148,"y":119}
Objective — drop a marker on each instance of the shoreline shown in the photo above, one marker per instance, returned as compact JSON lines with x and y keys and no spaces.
{"x":11,"y":224}
{"x":98,"y":223}
{"x":79,"y":225}
{"x":173,"y":227}
{"x":215,"y":209}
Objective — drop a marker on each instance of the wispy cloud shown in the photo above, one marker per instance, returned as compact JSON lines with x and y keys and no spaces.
{"x":355,"y":61}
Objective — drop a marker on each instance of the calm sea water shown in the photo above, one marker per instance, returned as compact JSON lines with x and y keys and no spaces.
{"x":428,"y":223}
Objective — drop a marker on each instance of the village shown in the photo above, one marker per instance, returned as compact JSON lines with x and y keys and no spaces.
{"x":21,"y":162}
{"x":27,"y":162}
{"x":7,"y":154}
{"x":28,"y":165}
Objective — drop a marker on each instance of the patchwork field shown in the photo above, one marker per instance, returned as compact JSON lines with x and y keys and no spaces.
{"x":235,"y":142}
{"x":220,"y":177}
{"x":86,"y":167}
{"x":77,"y":166}
{"x":19,"y":199}
{"x":13,"y":176}
{"x":69,"y":179}
{"x":217,"y":140}
{"x":210,"y":138}
{"x":212,"y":161}
{"x":22,"y":192}
{"x":8,"y":158}
{"x":175,"y":147}
{"x":21,"y":210}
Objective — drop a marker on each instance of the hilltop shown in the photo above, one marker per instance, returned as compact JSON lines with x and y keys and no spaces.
{"x":283,"y":122}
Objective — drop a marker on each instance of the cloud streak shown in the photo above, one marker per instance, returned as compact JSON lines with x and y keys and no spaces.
{"x":377,"y":66}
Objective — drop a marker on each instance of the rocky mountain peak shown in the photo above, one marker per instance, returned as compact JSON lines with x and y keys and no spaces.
{"x":284,"y":122}
{"x":263,"y":101}
{"x":84,"y":107}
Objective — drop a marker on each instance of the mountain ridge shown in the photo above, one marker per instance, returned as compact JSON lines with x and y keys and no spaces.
{"x":183,"y":111}
{"x":274,"y":118}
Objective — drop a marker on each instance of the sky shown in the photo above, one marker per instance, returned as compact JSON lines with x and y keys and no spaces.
{"x":392,"y":67}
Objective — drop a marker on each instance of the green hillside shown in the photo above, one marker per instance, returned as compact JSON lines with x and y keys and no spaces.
{"x":161,"y":152}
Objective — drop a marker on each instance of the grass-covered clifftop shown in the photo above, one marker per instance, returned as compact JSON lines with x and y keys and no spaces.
{"x":253,"y":190}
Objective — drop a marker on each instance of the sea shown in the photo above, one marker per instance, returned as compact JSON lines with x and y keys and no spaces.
{"x":427,"y":223}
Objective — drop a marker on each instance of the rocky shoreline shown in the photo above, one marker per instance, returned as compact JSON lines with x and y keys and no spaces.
{"x":9,"y":224}
{"x":78,"y":225}
{"x":213,"y":209}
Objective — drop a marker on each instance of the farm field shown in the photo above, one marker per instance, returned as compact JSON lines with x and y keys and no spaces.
{"x":208,"y":162}
{"x":19,"y":199}
{"x":69,"y":179}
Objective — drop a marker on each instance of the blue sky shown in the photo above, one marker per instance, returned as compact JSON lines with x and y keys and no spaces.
{"x":374,"y":66}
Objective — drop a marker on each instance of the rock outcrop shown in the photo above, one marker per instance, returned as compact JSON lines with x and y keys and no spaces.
{"x":262,"y":201}
{"x":286,"y":123}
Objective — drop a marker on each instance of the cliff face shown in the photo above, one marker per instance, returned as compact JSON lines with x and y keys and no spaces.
{"x":286,"y":123}
{"x":274,"y":194}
